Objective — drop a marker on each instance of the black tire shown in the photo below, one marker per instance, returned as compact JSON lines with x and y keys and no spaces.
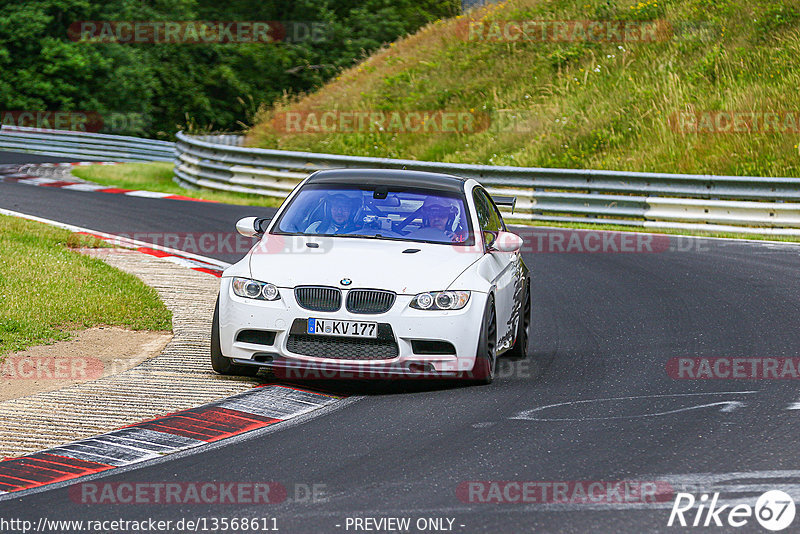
{"x":220,"y":363}
{"x":486,"y":358}
{"x":520,"y":349}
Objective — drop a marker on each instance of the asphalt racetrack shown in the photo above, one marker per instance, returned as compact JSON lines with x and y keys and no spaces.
{"x":601,"y":398}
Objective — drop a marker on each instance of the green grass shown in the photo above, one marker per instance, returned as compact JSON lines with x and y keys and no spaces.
{"x":158,"y":177}
{"x":578,"y":104}
{"x":46,"y":289}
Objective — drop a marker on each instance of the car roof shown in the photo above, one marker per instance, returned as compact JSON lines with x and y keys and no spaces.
{"x":390,"y":178}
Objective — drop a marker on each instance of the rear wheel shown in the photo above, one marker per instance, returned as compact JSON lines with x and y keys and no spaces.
{"x":486,"y":358}
{"x":520,"y":348}
{"x":220,"y":363}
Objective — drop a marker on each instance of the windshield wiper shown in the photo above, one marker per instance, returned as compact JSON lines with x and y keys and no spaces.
{"x":363,"y":236}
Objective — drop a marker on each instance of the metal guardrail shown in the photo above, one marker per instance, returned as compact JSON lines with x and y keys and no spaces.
{"x":681,"y":201}
{"x":84,"y":146}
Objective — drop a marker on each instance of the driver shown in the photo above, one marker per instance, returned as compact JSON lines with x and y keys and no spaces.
{"x":338,"y":217}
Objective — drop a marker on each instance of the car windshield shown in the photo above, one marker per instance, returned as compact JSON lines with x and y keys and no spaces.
{"x":422,"y":215}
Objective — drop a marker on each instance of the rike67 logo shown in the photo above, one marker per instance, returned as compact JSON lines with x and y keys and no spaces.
{"x":774,"y":510}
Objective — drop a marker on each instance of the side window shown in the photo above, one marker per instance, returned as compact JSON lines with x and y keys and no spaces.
{"x":481,"y":209}
{"x":488,"y":216}
{"x":496,"y":217}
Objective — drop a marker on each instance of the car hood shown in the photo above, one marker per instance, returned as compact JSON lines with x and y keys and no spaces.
{"x":288,"y":261}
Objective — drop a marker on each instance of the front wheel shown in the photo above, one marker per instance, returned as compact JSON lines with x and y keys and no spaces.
{"x":486,"y":358}
{"x":220,"y":363}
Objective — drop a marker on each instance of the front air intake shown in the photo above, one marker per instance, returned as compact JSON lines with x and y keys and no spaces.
{"x":318,"y":298}
{"x":369,"y":301}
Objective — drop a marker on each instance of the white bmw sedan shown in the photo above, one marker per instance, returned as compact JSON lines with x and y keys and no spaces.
{"x":376,"y":274}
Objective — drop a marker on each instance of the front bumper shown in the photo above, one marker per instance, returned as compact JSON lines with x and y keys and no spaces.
{"x":403,"y":326}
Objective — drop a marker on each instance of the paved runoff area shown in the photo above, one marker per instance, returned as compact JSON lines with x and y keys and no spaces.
{"x":147,"y":440}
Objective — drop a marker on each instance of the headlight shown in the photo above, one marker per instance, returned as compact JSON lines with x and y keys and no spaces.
{"x":440,"y":300}
{"x":253,"y":289}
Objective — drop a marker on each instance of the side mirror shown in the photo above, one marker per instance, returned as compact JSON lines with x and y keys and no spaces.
{"x":504,"y":242}
{"x":251,"y":226}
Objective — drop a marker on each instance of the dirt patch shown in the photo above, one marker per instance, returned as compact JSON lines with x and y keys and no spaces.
{"x":89,"y":355}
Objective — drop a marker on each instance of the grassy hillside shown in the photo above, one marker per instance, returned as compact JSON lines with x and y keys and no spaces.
{"x":579,"y":104}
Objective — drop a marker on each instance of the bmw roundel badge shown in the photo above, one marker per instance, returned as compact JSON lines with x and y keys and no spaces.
{"x":345,"y":281}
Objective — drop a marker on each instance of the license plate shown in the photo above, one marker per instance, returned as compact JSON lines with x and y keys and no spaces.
{"x":330,"y":327}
